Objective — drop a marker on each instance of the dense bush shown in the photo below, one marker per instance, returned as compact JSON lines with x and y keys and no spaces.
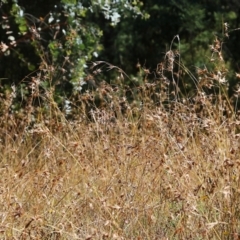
{"x":49,"y":46}
{"x":50,"y":49}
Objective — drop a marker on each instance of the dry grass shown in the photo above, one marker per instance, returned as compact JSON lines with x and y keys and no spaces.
{"x":149,"y":172}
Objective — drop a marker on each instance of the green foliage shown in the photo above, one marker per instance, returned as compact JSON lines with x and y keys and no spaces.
{"x":55,"y":43}
{"x":17,"y":12}
{"x":147,"y":40}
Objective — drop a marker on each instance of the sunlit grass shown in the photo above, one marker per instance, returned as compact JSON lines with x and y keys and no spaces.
{"x":157,"y":167}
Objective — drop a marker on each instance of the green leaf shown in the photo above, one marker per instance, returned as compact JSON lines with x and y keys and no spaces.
{"x":68,"y":1}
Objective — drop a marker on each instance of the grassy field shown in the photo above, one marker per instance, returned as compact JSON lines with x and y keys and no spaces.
{"x":149,"y":169}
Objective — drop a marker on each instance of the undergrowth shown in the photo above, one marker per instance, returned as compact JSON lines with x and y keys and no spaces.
{"x":135,"y":158}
